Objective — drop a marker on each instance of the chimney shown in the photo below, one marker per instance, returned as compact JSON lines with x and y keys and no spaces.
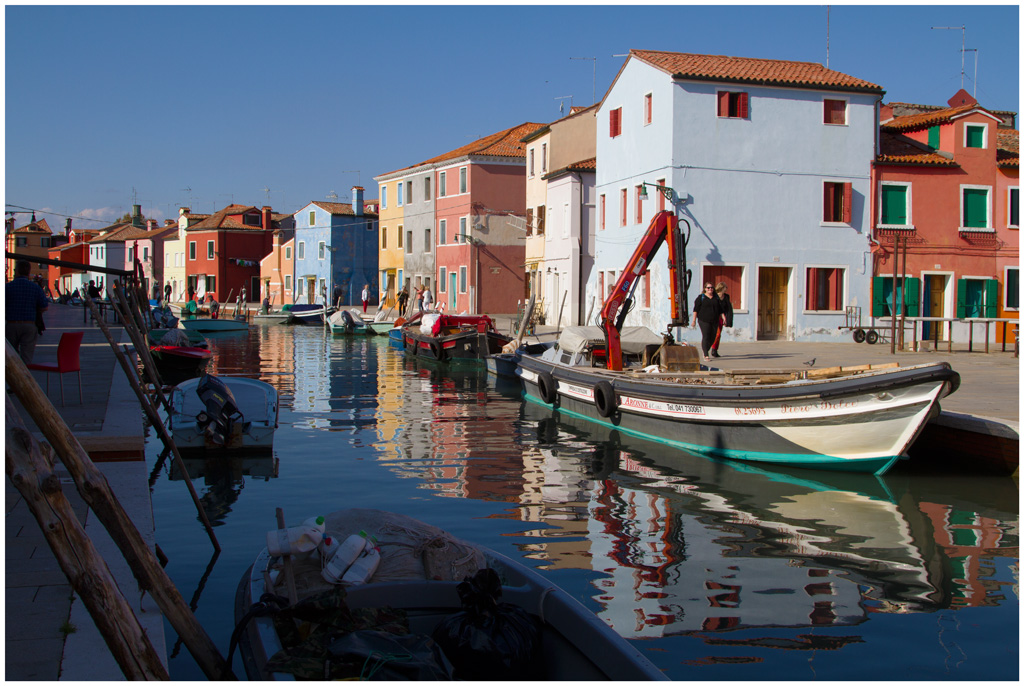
{"x":357,"y":200}
{"x":137,"y":215}
{"x":267,"y":222}
{"x":150,"y":224}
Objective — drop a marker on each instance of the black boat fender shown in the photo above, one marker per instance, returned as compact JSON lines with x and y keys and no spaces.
{"x":437,"y":351}
{"x":413,"y":346}
{"x":547,"y":388}
{"x":605,"y":400}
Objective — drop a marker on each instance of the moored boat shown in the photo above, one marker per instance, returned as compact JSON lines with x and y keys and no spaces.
{"x":453,"y":337}
{"x":211,"y":325}
{"x":348,"y":322}
{"x":857,"y":418}
{"x":177,"y":363}
{"x":223,"y":412}
{"x":309,"y":313}
{"x":424,"y":580}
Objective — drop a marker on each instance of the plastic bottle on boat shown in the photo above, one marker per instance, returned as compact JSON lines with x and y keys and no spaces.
{"x":365,"y":565}
{"x":344,"y":554}
{"x":296,"y":540}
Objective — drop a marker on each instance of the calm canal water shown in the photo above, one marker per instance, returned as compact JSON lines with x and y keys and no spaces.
{"x":716,"y":571}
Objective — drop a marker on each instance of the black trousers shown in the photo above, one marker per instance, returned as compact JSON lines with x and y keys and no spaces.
{"x":708,"y":331}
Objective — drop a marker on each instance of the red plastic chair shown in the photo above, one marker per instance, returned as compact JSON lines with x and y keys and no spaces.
{"x":67,"y":361}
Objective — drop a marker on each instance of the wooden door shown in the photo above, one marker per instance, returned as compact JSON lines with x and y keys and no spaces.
{"x":772,"y":296}
{"x":935,"y":287}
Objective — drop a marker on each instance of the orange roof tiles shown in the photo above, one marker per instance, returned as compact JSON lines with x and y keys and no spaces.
{"x":341,"y":208}
{"x":752,"y":70}
{"x":898,"y":149}
{"x":927,"y":119}
{"x":1007,"y":148}
{"x":507,"y":143}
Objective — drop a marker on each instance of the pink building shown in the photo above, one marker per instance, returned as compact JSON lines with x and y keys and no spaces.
{"x":946,"y":181}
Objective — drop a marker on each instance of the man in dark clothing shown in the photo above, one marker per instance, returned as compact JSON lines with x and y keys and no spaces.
{"x":707,"y":311}
{"x":25,"y":303}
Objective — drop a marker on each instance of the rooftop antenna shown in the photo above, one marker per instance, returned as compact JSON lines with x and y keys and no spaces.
{"x":189,"y":191}
{"x":828,"y":16}
{"x":594,"y":59}
{"x":561,"y":104}
{"x":963,"y":42}
{"x":267,"y":191}
{"x":974,"y":94}
{"x":332,"y":196}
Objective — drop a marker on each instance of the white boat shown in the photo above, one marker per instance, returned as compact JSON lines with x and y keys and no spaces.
{"x":209,"y":325}
{"x":223,"y":412}
{"x":348,"y":322}
{"x":308,"y":314}
{"x":420,"y":571}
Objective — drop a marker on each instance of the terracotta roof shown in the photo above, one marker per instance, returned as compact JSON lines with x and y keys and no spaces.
{"x":507,"y":143}
{"x":121,"y":232}
{"x":341,"y":208}
{"x":752,"y":70}
{"x":35,"y":227}
{"x":898,"y":149}
{"x":925,"y":120}
{"x":1007,"y":148}
{"x":222,"y":220}
{"x":588,"y":165}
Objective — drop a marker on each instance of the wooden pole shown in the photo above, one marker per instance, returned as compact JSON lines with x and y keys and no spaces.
{"x":892,"y":310}
{"x":140,"y":345}
{"x":903,"y":294}
{"x":30,"y":469}
{"x":96,"y":492}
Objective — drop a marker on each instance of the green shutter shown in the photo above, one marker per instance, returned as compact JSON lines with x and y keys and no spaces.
{"x":991,"y":298}
{"x":975,"y":208}
{"x":975,"y":136}
{"x":894,"y":205}
{"x":961,"y":298}
{"x":912,"y":288}
{"x":878,"y":296}
{"x":1013,"y":288}
{"x":933,"y":138}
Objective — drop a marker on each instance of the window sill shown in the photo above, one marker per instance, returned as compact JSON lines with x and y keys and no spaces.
{"x":840,"y":225}
{"x":896,"y":227}
{"x":832,"y":312}
{"x":832,"y":123}
{"x":975,"y":229}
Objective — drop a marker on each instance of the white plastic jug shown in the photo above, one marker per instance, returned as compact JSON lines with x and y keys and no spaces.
{"x":364,"y":566}
{"x":343,"y":556}
{"x":296,"y":540}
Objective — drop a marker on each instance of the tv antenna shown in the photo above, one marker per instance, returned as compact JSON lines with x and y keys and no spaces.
{"x":267,"y":191}
{"x":561,"y":104}
{"x":594,"y":60}
{"x":189,"y":191}
{"x":332,"y":196}
{"x":963,"y":49}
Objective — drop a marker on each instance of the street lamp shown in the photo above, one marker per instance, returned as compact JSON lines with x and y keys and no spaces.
{"x":669,"y":193}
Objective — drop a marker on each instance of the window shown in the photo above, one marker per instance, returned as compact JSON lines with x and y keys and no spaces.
{"x":603,"y":206}
{"x":442,"y":282}
{"x":462,"y":279}
{"x":442,"y":231}
{"x":442,"y":185}
{"x":541,"y":217}
{"x":312,"y":218}
{"x":321,"y":250}
{"x":408,"y":243}
{"x":661,"y":196}
{"x":645,"y":290}
{"x":731,"y":276}
{"x":130,"y":254}
{"x":300,"y":288}
{"x":934,"y":137}
{"x":383,"y":197}
{"x":44,"y":242}
{"x":835,"y":111}
{"x":288,"y":253}
{"x":825,"y":288}
{"x":209,"y":250}
{"x":287,"y":282}
{"x":145,"y":253}
{"x":300,"y":253}
{"x":529,"y":221}
{"x":191,"y":250}
{"x":977,"y":298}
{"x":1011,"y":291}
{"x":975,"y":135}
{"x":648,"y":111}
{"x":20,"y":242}
{"x":733,"y":105}
{"x":463,"y":236}
{"x":615,"y":122}
{"x":383,"y":238}
{"x":838,"y":202}
{"x":400,"y":200}
{"x":408,"y":191}
{"x":463,"y":180}
{"x":975,"y":208}
{"x":427,"y":244}
{"x":895,"y":205}
{"x":1013,"y":208}
{"x":908,"y":297}
{"x":532,"y":172}
{"x":401,"y":235}
{"x":543,"y":157}
{"x":426,"y":189}
{"x":622,"y":207}
{"x":639,"y":205}
{"x":211,"y":283}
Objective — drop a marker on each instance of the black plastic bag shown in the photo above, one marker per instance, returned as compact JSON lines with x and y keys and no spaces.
{"x":488,"y":639}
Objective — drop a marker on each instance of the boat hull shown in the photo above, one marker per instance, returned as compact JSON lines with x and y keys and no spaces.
{"x":213,"y":325}
{"x":257,"y":401}
{"x":466,"y":346}
{"x":178,"y":363}
{"x":857,"y":424}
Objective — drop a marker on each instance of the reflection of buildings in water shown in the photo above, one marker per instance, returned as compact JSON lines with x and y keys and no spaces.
{"x":277,"y":360}
{"x":313,"y":378}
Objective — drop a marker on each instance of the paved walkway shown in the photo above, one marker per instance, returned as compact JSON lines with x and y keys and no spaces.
{"x":39,"y":604}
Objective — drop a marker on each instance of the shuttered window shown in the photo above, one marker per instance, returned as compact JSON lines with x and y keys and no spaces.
{"x":975,"y":207}
{"x":835,"y":111}
{"x":974,"y":136}
{"x":615,"y":122}
{"x":838,"y":202}
{"x":732,"y":104}
{"x":894,"y":205}
{"x":825,"y":288}
{"x":541,"y":217}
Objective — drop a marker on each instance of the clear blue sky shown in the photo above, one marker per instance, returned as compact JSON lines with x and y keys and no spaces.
{"x":110,"y":104}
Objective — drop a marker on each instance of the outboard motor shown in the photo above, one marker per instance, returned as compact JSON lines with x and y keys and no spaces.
{"x":350,"y":323}
{"x":218,"y":419}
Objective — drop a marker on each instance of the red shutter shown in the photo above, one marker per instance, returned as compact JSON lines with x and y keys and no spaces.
{"x":829,"y":205}
{"x":847,"y":202}
{"x":834,"y":284}
{"x":812,"y":289}
{"x":615,"y":122}
{"x":723,"y":104}
{"x":743,"y":109}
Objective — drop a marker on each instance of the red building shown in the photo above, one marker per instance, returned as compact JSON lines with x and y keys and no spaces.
{"x":946,"y":184}
{"x":223,"y":251}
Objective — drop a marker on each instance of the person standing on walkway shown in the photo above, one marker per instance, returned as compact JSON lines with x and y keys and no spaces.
{"x":428,"y":298}
{"x":167,"y":294}
{"x":403,"y":299}
{"x":722,"y":291}
{"x":93,"y":291}
{"x":26,"y":303}
{"x":419,"y":298}
{"x":707,"y":311}
{"x":366,"y":296}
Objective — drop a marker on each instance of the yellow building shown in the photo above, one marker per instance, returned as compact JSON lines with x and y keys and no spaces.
{"x":391,"y":239}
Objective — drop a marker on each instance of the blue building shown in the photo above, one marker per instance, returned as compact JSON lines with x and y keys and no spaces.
{"x":335,"y":252}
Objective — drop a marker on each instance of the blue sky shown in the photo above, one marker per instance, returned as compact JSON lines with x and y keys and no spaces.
{"x":110,"y":105}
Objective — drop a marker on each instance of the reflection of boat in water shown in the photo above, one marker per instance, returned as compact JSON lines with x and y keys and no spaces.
{"x":712,"y":545}
{"x":224,"y":478}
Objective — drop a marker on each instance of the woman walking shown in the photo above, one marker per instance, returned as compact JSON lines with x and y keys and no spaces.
{"x":707,"y":311}
{"x":722,"y":291}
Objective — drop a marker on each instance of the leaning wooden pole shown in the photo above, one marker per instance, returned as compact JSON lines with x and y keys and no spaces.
{"x":96,"y":492}
{"x":139,"y":341}
{"x":30,"y":469}
{"x":158,"y":424}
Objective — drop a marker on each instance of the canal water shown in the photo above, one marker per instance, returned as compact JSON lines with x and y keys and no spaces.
{"x":715,"y":570}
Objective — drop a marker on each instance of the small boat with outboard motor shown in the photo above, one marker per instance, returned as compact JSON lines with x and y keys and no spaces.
{"x":371,"y":584}
{"x":348,"y":323}
{"x":453,"y":337}
{"x":223,"y":412}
